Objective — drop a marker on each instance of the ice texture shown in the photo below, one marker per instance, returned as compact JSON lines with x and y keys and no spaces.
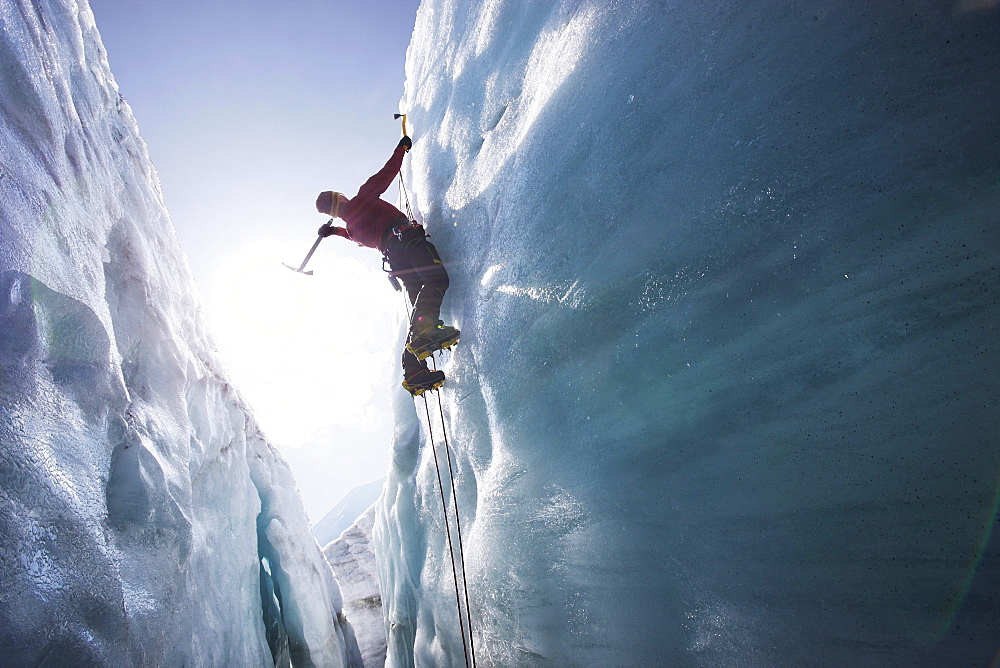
{"x":144,"y":518}
{"x":352,"y":557}
{"x":726,"y":394}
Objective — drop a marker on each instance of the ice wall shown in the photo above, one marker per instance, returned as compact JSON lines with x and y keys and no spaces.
{"x":727,"y":280}
{"x":352,"y":557}
{"x":142,"y":512}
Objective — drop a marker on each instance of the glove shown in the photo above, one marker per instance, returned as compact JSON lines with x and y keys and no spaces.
{"x":326,"y":230}
{"x":405,"y":142}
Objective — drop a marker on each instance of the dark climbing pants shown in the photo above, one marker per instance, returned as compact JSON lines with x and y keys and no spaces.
{"x":414,"y":260}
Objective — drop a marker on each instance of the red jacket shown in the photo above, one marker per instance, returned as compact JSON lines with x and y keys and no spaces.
{"x":367,"y":216}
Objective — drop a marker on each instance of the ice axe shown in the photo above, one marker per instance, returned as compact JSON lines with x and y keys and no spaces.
{"x":302,"y":266}
{"x":409,"y":212}
{"x":403,"y":116}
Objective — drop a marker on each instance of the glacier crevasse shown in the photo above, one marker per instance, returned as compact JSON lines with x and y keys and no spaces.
{"x":142,"y":511}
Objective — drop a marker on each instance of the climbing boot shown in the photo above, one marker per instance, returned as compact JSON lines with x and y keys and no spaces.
{"x":428,"y":340}
{"x":422,"y":380}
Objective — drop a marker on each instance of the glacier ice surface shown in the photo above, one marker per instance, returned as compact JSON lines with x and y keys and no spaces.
{"x":144,"y":518}
{"x":727,"y":284}
{"x":352,"y":557}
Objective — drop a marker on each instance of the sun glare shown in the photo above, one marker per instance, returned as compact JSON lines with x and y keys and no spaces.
{"x":308,"y":352}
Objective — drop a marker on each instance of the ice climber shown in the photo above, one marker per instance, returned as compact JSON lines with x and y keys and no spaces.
{"x":373,"y":222}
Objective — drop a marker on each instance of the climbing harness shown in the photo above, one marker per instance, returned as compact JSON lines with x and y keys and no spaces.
{"x":399,"y":228}
{"x":397,"y":231}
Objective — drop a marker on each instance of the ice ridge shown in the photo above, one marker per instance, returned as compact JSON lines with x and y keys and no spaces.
{"x":144,"y":518}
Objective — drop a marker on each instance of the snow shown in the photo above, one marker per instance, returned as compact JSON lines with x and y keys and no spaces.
{"x":142,"y":511}
{"x":352,"y":557}
{"x":726,"y":277}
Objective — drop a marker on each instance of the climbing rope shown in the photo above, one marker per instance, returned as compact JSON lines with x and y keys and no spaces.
{"x":447,"y":529}
{"x":464,"y":620}
{"x":402,"y":189}
{"x":399,"y":175}
{"x":458,"y":516}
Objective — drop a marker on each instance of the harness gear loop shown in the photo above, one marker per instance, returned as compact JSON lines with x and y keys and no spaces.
{"x":393,"y":281}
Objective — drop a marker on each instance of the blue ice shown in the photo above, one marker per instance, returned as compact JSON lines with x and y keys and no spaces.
{"x":727,"y":388}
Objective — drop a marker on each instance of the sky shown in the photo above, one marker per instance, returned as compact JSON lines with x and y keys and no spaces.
{"x":249,"y":109}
